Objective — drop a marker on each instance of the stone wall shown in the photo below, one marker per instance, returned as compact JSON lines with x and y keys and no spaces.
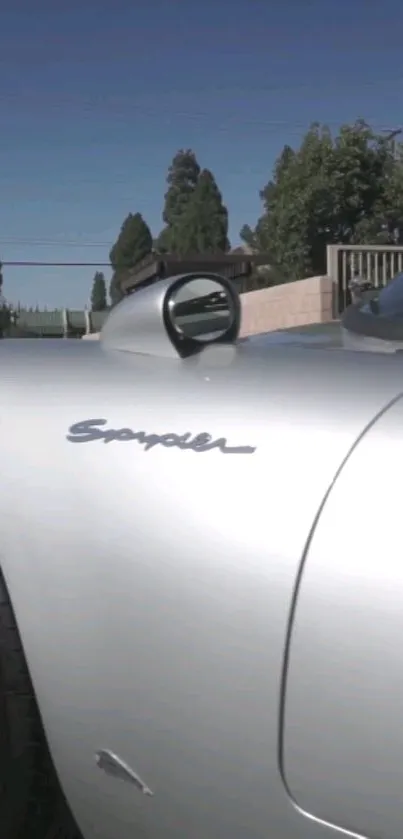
{"x":284,"y":306}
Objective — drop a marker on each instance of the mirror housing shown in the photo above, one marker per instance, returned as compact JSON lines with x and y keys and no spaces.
{"x":177,"y":316}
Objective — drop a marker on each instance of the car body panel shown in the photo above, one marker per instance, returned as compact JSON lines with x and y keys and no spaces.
{"x":315,"y":335}
{"x":153,"y":588}
{"x":343,"y":739}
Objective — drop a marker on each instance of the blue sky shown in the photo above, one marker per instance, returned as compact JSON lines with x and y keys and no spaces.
{"x":96,"y":97}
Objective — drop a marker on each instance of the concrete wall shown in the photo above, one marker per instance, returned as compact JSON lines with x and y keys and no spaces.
{"x":91,"y":336}
{"x":284,"y":306}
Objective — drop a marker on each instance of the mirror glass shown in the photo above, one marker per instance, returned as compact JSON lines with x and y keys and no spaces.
{"x":201,"y":309}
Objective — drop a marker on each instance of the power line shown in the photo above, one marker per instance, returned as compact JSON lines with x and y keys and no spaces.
{"x":127,"y":108}
{"x":127,"y":102}
{"x":36,"y":242}
{"x":52,"y":243}
{"x":30,"y":264}
{"x":232,"y":120}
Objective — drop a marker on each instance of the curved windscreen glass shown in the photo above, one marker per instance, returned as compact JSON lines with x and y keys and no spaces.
{"x":389,"y":302}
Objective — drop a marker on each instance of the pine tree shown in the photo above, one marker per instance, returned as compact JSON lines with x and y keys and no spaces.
{"x":98,"y":293}
{"x":182,"y":179}
{"x":204,"y":225}
{"x":133,"y":244}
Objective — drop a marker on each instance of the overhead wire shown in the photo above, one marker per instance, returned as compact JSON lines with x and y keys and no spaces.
{"x":126,"y":107}
{"x":35,"y":264}
{"x":319,"y":83}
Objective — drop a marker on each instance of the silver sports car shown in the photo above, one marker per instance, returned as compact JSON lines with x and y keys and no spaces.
{"x":201,"y":590}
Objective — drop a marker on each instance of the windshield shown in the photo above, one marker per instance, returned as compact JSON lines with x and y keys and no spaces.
{"x":377,"y":324}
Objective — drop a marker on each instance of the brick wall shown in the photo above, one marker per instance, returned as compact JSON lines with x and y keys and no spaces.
{"x":284,"y":306}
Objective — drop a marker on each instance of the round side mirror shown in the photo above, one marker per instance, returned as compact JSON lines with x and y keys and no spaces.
{"x":201,"y":309}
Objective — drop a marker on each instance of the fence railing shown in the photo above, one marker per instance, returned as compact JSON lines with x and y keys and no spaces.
{"x":375,"y":263}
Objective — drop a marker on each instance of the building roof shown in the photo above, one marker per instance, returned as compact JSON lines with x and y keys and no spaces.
{"x":156,"y":266}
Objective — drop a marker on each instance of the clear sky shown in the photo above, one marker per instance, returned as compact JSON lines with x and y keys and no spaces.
{"x":96,"y":97}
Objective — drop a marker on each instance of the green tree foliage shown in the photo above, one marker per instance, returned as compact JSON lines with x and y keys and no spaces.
{"x":344,"y":189}
{"x":165,"y":242}
{"x":203,"y":227}
{"x":98,"y":293}
{"x":115,"y":294}
{"x":249,"y":237}
{"x":5,"y":310}
{"x":182,"y":179}
{"x":133,"y":244}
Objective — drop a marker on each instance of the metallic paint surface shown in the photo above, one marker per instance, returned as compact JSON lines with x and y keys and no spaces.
{"x":153,"y":590}
{"x":343,"y":739}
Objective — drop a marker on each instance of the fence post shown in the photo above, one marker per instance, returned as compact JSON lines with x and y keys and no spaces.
{"x":332,"y":270}
{"x":65,"y":322}
{"x":88,"y":326}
